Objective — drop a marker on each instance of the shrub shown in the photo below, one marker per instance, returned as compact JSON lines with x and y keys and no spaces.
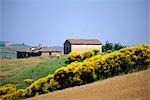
{"x":96,"y":51}
{"x":88,"y":54}
{"x":43,"y":85}
{"x":28,"y":81}
{"x":108,"y":51}
{"x":74,"y":56}
{"x":7,"y":89}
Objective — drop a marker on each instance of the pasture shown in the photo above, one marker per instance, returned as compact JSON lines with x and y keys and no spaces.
{"x":16,"y":70}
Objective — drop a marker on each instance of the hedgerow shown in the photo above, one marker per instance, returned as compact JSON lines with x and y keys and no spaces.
{"x":98,"y":67}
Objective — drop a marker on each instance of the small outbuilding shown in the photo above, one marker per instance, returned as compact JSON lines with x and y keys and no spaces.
{"x":81,"y":45}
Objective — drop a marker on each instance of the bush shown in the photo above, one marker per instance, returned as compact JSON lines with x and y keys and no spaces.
{"x":74,"y":56}
{"x":96,"y":51}
{"x":98,"y":67}
{"x":108,"y":51}
{"x":28,"y":81}
{"x":88,"y":54}
{"x":7,"y":89}
{"x":43,"y":85}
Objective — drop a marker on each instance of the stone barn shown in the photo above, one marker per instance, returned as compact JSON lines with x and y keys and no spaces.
{"x":81,"y":45}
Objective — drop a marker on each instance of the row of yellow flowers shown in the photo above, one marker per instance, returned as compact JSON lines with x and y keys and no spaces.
{"x":98,"y":67}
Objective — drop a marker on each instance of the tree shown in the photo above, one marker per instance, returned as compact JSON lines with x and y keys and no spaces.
{"x":107,"y":46}
{"x":117,"y":46}
{"x":111,"y":46}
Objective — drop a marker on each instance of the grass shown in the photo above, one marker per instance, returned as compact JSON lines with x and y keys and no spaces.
{"x":16,"y":70}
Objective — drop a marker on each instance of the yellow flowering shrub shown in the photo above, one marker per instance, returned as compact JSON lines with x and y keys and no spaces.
{"x":108,"y":51}
{"x":74,"y":56}
{"x":28,"y":81}
{"x":97,"y":67}
{"x":90,"y":53}
{"x":7,"y":89}
{"x":96,"y":51}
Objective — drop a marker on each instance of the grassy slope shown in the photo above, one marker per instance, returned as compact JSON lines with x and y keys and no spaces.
{"x":16,"y":70}
{"x":135,"y":86}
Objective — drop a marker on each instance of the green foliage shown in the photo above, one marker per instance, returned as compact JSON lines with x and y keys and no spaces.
{"x":30,"y":68}
{"x":107,"y":46}
{"x":117,"y":46}
{"x":97,"y":67}
{"x":111,"y":46}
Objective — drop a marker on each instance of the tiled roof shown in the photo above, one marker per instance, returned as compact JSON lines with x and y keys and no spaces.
{"x":36,"y":49}
{"x":84,"y":41}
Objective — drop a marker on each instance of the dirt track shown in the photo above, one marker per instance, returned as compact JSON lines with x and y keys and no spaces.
{"x":135,"y":86}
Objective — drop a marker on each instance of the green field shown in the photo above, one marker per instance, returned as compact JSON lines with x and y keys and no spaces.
{"x":16,"y":70}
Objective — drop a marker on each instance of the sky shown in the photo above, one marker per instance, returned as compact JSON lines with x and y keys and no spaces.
{"x":51,"y":22}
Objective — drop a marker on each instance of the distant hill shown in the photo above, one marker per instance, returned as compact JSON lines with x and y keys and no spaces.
{"x":8,"y":49}
{"x":5,"y":43}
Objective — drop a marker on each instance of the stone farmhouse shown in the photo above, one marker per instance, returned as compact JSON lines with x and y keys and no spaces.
{"x":37,"y":51}
{"x":81,"y":45}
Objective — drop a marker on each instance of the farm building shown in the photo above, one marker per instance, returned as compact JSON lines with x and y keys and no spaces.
{"x":34,"y":51}
{"x":81,"y":45}
{"x":38,"y":51}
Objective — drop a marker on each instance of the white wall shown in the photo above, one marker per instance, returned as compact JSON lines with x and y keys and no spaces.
{"x":81,"y":48}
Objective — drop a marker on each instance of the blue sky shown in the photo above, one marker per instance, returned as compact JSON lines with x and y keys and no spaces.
{"x":51,"y":22}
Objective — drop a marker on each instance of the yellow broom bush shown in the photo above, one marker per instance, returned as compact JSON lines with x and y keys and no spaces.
{"x":7,"y":89}
{"x":74,"y":56}
{"x":97,"y":67}
{"x":28,"y":81}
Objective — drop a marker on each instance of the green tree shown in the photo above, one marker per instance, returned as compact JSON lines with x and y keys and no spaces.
{"x":107,"y":46}
{"x":117,"y":46}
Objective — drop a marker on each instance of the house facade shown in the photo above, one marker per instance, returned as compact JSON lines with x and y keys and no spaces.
{"x":81,"y":45}
{"x":34,"y":51}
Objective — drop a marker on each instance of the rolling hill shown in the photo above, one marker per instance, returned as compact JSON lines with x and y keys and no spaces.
{"x":8,"y":49}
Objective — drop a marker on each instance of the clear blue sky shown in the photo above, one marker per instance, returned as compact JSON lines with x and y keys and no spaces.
{"x":51,"y":22}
